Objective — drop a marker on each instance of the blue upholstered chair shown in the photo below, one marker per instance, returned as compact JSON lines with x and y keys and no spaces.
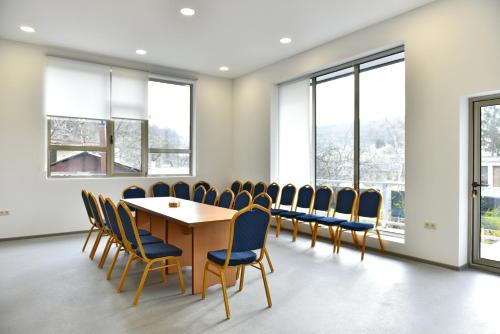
{"x":111,"y":213}
{"x":160,"y":189}
{"x":93,"y":226}
{"x":260,"y":187}
{"x":247,"y":186}
{"x":273,"y":190}
{"x":320,"y":209}
{"x":242,"y":200}
{"x":236,"y":187}
{"x":199,"y":194}
{"x":346,"y":200}
{"x":303,"y":205}
{"x":211,"y":196}
{"x":369,"y":206}
{"x":162,"y":254}
{"x":134,"y":192}
{"x":112,"y":229}
{"x":181,"y":190}
{"x":226,"y":199}
{"x":286,"y":201}
{"x":103,"y":229}
{"x":247,"y":234}
{"x":265,"y":201}
{"x":204,"y":184}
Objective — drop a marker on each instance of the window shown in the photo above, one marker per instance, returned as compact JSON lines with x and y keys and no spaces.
{"x":484,"y":175}
{"x":99,"y":118}
{"x":358,"y":112}
{"x":496,"y":176}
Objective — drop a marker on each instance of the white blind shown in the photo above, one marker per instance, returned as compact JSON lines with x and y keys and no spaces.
{"x":129,"y":93}
{"x":77,"y":89}
{"x":295,"y":152}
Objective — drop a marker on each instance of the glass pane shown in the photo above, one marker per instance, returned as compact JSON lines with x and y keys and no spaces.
{"x":77,"y":163}
{"x":490,"y":195}
{"x":335,"y":132}
{"x":169,"y":163}
{"x":127,"y":138}
{"x":382,"y":139}
{"x":169,"y":108}
{"x":77,"y":132}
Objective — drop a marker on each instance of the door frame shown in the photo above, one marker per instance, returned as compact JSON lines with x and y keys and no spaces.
{"x":475,"y":167}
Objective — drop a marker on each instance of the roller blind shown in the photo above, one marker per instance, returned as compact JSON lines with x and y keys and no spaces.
{"x":129,"y":93}
{"x":295,"y":153}
{"x":77,"y":89}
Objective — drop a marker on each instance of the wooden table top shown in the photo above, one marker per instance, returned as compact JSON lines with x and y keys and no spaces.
{"x":189,"y":212}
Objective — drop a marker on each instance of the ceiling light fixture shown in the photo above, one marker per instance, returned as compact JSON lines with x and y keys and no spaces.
{"x":285,"y":40}
{"x":27,"y":28}
{"x":223,"y":68}
{"x":188,"y":11}
{"x":141,"y":52}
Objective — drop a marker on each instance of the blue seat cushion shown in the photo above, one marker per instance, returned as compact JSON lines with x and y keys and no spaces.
{"x":355,"y":226}
{"x":237,"y":258}
{"x":275,"y":212}
{"x":290,"y":214}
{"x":143,"y":233}
{"x":154,"y":251}
{"x":148,"y":239}
{"x":307,"y":217}
{"x":330,"y":221}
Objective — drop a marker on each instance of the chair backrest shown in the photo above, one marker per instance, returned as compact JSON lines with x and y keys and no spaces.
{"x":288,"y":195}
{"x":110,"y":209}
{"x":323,"y":199}
{"x":134,"y":192}
{"x":248,"y":231}
{"x":346,"y":201}
{"x":85,"y":197}
{"x":369,"y":204}
{"x":128,"y":224}
{"x":242,"y":200}
{"x":104,"y":214}
{"x":96,"y":213}
{"x":305,"y":197}
{"x":199,"y":194}
{"x":204,"y":184}
{"x":211,"y":196}
{"x":273,"y":191}
{"x":248,"y":186}
{"x":226,"y":199}
{"x":260,"y":187}
{"x":236,"y":187}
{"x":181,"y":190}
{"x":160,"y":189}
{"x":263,"y":200}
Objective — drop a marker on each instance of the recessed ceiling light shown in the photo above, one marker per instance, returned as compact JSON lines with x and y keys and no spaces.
{"x":187,"y":11}
{"x":141,"y":52}
{"x":285,"y":40}
{"x":223,"y":68}
{"x":27,"y":28}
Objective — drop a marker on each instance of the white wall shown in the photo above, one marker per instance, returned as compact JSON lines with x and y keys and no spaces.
{"x":42,"y":206}
{"x":452,"y":51}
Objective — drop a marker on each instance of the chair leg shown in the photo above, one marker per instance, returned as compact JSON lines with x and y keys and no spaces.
{"x":224,"y":292}
{"x":363,"y":248}
{"x":295,"y":229}
{"x":141,"y":284}
{"x":88,"y":237}
{"x":314,"y":234}
{"x":238,"y":272}
{"x":242,"y":278}
{"x":269,"y":260}
{"x":164,"y":273}
{"x":278,"y":226}
{"x":125,"y":272}
{"x":104,"y":255}
{"x":339,"y":238}
{"x":179,"y":275}
{"x":266,"y":287}
{"x":96,"y":244}
{"x":382,"y":249}
{"x":112,"y":267}
{"x":332,"y":236}
{"x":204,"y":288}
{"x":355,"y":239}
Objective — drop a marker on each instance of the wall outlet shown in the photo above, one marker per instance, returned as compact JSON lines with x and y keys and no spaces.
{"x":430,"y":225}
{"x":4,"y":212}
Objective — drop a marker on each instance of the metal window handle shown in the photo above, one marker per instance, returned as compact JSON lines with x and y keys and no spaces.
{"x":477,"y":184}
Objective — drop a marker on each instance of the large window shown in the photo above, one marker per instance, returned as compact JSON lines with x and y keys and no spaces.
{"x":104,"y":121}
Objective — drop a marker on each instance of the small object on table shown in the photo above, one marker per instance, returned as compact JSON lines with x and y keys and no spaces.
{"x":174,"y":204}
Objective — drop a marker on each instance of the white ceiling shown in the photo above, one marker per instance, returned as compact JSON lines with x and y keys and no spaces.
{"x":241,"y":34}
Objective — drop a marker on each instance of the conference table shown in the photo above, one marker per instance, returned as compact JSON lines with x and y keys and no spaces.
{"x":193,"y":227}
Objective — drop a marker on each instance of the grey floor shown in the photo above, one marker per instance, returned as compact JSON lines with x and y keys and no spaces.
{"x":47,"y":285}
